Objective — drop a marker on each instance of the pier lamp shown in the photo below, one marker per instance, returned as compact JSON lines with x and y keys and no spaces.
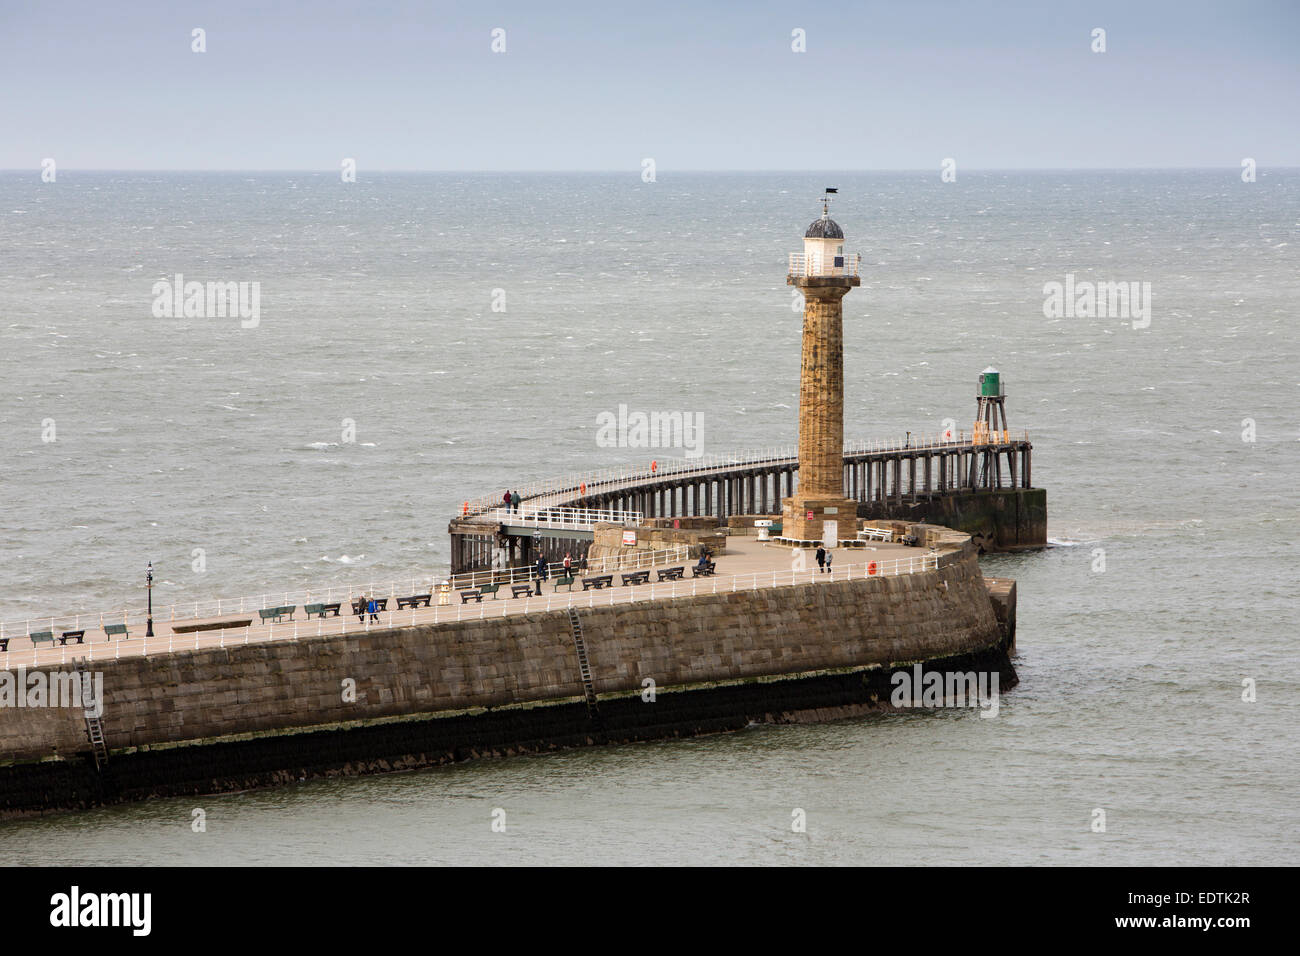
{"x":148,"y":586}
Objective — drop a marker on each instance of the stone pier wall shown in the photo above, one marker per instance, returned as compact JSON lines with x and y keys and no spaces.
{"x":260,"y":688}
{"x":1011,"y":519}
{"x":250,"y":715}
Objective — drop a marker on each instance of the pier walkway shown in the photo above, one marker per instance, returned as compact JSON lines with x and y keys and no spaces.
{"x":908,"y":469}
{"x":746,"y":564}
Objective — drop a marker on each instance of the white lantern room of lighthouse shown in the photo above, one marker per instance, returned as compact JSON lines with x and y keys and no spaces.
{"x":823,"y":250}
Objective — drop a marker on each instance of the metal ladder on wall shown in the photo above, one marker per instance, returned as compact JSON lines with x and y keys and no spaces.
{"x":94,"y":726}
{"x":593,"y":711}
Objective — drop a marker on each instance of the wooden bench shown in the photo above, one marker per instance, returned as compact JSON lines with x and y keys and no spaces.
{"x":42,"y":637}
{"x":414,"y":600}
{"x":4,"y":644}
{"x":78,"y":636}
{"x":466,"y":596}
{"x":567,"y":581}
{"x":491,"y":589}
{"x":322,"y":610}
{"x":112,"y":630}
{"x":521,"y":590}
{"x":703,"y":572}
{"x":636,"y":577}
{"x":672,"y":574}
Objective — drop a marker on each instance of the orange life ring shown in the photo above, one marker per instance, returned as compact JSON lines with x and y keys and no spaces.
{"x":654,"y":466}
{"x":871,"y":568}
{"x":582,"y":488}
{"x":465,"y":508}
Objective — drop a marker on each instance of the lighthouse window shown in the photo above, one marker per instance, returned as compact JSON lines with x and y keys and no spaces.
{"x":839,"y":250}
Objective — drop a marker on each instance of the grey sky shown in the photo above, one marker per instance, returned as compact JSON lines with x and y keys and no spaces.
{"x":703,"y":85}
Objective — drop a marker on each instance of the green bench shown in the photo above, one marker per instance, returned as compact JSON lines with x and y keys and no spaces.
{"x":112,"y":630}
{"x":276,"y":614}
{"x":491,"y":589}
{"x":42,"y":637}
{"x":322,"y":610}
{"x":566,"y":581}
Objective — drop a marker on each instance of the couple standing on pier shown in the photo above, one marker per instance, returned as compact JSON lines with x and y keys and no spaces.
{"x":542,"y":571}
{"x":824,"y":556}
{"x":511,"y":500}
{"x":366,"y":606}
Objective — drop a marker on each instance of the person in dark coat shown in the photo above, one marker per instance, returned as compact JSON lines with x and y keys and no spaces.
{"x":821,"y":558}
{"x":541,"y":574}
{"x":514,"y":501}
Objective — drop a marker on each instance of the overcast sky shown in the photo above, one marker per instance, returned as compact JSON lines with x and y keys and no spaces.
{"x":602,"y":85}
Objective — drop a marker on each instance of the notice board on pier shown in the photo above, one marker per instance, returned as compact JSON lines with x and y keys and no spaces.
{"x":629,"y":537}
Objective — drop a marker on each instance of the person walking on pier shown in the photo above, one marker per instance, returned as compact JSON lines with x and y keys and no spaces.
{"x":568,"y":565}
{"x":514,"y":501}
{"x":505,"y":500}
{"x":540,"y":573}
{"x":821,"y":559}
{"x":373,"y":607}
{"x":360,"y":605}
{"x":829,"y":554}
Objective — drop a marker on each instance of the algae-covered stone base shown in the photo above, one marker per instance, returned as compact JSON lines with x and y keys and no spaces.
{"x":1013,"y":519}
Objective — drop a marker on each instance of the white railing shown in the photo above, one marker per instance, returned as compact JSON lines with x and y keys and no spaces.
{"x":580,"y":484}
{"x":633,"y":559}
{"x":187,"y":612}
{"x":579,"y":518}
{"x":459,"y":611}
{"x":814,"y":266}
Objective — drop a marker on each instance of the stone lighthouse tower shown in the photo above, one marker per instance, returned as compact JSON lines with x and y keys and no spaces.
{"x":818,"y":511}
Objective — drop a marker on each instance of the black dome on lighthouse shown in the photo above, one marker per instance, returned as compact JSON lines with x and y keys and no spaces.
{"x":824,"y":229}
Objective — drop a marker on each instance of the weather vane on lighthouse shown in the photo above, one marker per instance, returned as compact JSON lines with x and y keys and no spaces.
{"x":818,"y":510}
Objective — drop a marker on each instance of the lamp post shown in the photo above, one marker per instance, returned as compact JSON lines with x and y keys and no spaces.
{"x":148,"y":586}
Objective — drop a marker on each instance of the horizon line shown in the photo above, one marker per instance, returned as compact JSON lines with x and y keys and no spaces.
{"x":633,"y":171}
